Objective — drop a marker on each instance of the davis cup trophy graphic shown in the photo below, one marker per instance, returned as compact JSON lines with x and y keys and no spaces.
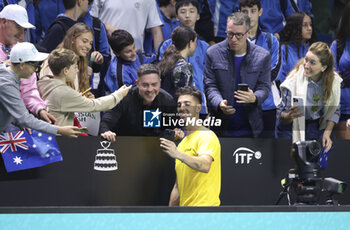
{"x":105,"y":159}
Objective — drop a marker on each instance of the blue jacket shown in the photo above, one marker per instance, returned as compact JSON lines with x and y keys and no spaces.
{"x":223,"y":9}
{"x":274,"y":12}
{"x":290,"y":58}
{"x":45,"y":14}
{"x":129,"y":72}
{"x":219,"y":79}
{"x":265,"y":40}
{"x":343,"y":68}
{"x":198,"y":64}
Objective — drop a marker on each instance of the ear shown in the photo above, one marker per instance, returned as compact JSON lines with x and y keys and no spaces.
{"x":21,"y":65}
{"x":324,"y":68}
{"x":260,"y":11}
{"x":198,"y":16}
{"x":64,"y":71}
{"x":198,"y":108}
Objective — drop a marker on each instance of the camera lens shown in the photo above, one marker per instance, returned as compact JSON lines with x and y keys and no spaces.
{"x":314,"y":148}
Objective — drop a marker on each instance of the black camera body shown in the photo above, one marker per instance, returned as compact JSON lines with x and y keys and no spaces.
{"x":304,"y":183}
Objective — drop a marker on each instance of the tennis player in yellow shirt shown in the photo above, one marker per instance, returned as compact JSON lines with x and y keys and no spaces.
{"x":197,"y":157}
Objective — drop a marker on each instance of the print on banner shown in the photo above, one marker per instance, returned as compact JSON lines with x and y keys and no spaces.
{"x":105,"y":159}
{"x":244,"y":155}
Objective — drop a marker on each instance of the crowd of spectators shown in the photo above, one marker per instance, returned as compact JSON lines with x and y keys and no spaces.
{"x":259,"y":43}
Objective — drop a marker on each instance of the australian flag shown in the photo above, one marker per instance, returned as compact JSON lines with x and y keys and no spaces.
{"x":21,"y":150}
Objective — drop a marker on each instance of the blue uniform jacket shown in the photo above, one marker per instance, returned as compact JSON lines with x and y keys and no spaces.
{"x":271,"y":101}
{"x":343,"y":68}
{"x":129,"y":72}
{"x":219,"y":79}
{"x":291,"y":59}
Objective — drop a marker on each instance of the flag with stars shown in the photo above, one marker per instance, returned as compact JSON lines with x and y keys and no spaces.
{"x":323,"y":158}
{"x":21,"y":150}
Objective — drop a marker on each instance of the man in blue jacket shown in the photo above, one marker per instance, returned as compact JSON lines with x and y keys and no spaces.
{"x":228,"y":63}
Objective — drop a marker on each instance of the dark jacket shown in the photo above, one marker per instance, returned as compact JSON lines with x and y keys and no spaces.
{"x":219,"y":79}
{"x":55,"y":34}
{"x":126,"y":119}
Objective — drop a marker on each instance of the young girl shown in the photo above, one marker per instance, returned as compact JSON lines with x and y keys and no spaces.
{"x":175,"y":70}
{"x":61,"y":99}
{"x":295,"y":40}
{"x":313,"y":80}
{"x":79,"y":38}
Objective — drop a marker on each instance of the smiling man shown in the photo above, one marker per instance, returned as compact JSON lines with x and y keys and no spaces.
{"x":127,"y":117}
{"x":229,"y":63}
{"x":198,"y":160}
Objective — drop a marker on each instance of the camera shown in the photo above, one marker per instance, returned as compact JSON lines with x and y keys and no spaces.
{"x":304,"y":183}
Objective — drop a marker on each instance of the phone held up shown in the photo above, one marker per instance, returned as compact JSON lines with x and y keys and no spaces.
{"x":298,"y":101}
{"x":169,"y":134}
{"x":243,"y":86}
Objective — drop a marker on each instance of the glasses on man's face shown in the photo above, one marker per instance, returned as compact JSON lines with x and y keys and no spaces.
{"x":239,"y":36}
{"x":36,"y":66}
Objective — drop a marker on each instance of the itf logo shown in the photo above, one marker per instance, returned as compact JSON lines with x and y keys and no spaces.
{"x":244,"y":155}
{"x":151,"y":118}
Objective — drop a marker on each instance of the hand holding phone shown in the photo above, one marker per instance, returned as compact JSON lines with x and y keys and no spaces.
{"x":298,"y":101}
{"x":243,"y":86}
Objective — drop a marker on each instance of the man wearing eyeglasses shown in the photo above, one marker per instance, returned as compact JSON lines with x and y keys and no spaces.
{"x":13,"y":22}
{"x":232,"y":62}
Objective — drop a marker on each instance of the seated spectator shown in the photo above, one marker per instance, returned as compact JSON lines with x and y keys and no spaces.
{"x":187,"y":13}
{"x":341,"y":52}
{"x":13,"y":22}
{"x":57,"y":30}
{"x":24,"y":62}
{"x":61,"y":99}
{"x":127,"y":117}
{"x":269,"y":42}
{"x":295,"y":40}
{"x":79,"y":39}
{"x":167,"y":15}
{"x":176,"y":71}
{"x":315,"y":82}
{"x":122,"y":69}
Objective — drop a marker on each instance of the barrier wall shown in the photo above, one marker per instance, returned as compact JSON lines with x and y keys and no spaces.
{"x":145,"y":175}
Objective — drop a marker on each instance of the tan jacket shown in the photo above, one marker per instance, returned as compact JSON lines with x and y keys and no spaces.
{"x":62,"y":101}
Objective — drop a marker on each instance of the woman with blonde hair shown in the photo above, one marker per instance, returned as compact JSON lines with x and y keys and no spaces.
{"x":79,"y":38}
{"x":314,"y":82}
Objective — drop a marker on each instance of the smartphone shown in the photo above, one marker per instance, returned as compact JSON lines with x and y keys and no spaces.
{"x":168,"y":134}
{"x":84,"y":130}
{"x":243,"y":86}
{"x":298,"y":101}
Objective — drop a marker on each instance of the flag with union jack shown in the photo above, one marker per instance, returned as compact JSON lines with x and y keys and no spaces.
{"x":21,"y":150}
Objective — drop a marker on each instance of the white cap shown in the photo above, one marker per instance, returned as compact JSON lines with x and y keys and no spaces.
{"x":25,"y":52}
{"x":18,"y":14}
